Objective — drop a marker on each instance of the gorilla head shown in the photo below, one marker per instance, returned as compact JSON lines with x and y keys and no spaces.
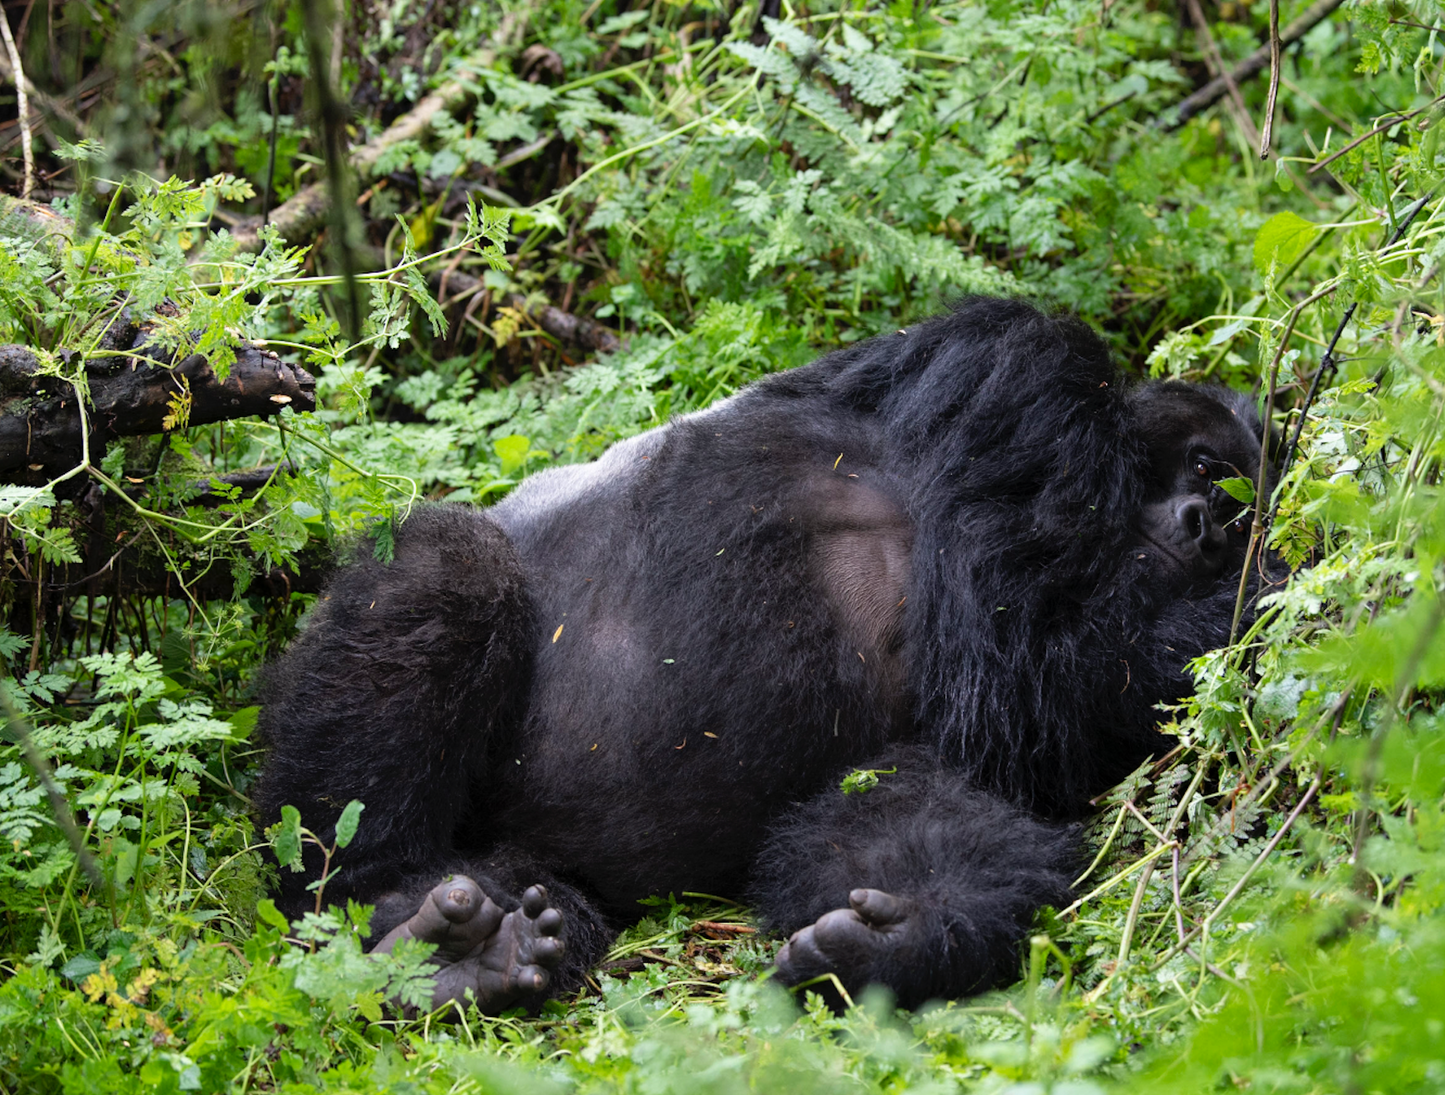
{"x":1195,"y":438}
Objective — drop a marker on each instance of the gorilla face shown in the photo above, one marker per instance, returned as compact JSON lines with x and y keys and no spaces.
{"x":1196,"y":437}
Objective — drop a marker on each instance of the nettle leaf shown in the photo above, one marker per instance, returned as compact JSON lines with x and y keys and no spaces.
{"x":1281,"y":240}
{"x":1238,"y":488}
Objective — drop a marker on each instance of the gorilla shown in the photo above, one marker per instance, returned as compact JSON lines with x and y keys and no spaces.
{"x":966,"y":558}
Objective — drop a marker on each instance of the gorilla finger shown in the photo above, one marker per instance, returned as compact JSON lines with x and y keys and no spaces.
{"x":877,"y":908}
{"x":458,"y":898}
{"x":840,"y":927}
{"x":531,"y":978}
{"x":534,"y":901}
{"x":801,"y":956}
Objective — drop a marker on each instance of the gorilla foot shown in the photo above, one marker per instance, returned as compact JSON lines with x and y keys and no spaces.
{"x":500,"y":959}
{"x":874,"y":940}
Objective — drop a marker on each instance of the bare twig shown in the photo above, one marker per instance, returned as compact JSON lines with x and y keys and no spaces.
{"x":22,"y":104}
{"x":1396,"y":120}
{"x":1315,"y":14}
{"x":300,"y":216}
{"x":1325,"y":372}
{"x":1256,"y":530}
{"x":1274,"y":50}
{"x":454,"y":286}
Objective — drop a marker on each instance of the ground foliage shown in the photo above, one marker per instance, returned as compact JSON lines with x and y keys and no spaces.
{"x":732,"y":193}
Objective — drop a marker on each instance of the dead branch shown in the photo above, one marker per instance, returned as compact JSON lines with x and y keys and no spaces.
{"x":301,"y":216}
{"x":132,"y":395}
{"x":1250,"y":67}
{"x":452,"y":288}
{"x":138,"y":387}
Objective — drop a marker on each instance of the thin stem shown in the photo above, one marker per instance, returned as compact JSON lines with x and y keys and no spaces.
{"x":1268,"y":132}
{"x":17,"y":726}
{"x":1256,"y":530}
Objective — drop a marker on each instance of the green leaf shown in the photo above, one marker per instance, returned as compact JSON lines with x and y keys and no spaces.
{"x":512,"y":451}
{"x":286,"y":838}
{"x":383,"y":539}
{"x":1281,"y":240}
{"x":348,"y":821}
{"x":11,"y":644}
{"x":243,"y":722}
{"x":863,"y":779}
{"x":1238,"y":488}
{"x":267,"y":913}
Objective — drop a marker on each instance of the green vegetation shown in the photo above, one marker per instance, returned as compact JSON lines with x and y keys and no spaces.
{"x":731,"y":195}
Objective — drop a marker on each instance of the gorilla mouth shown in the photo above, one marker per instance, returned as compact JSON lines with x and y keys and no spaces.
{"x":1172,"y":555}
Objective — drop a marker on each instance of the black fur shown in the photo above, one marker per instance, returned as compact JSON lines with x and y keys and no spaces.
{"x":953,"y":551}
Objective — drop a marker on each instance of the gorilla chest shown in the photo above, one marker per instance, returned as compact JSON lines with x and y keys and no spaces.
{"x":686,"y":691}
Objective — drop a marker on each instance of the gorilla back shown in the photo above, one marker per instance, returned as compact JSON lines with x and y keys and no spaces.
{"x":964,"y":555}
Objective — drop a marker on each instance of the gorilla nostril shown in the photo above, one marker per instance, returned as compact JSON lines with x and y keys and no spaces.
{"x":1196,"y":521}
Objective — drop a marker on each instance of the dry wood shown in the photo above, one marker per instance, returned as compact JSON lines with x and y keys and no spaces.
{"x":301,"y":216}
{"x":1252,"y":65}
{"x":40,"y":422}
{"x":452,"y":288}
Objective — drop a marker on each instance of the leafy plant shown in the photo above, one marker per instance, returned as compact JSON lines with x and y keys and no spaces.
{"x":727,"y":195}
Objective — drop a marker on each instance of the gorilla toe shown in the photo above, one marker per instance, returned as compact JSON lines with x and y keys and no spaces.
{"x":499,"y":960}
{"x":874,"y":937}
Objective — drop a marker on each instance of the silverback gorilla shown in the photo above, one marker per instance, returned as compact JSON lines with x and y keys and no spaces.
{"x":965,"y":555}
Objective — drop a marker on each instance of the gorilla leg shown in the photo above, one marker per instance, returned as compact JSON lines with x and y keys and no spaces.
{"x":405,"y":673}
{"x":502,"y":950}
{"x":922,"y":883}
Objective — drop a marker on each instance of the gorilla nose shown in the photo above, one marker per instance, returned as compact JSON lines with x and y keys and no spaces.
{"x":1198,"y":525}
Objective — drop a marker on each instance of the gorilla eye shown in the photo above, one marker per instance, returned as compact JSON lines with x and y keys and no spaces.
{"x":1240,"y":525}
{"x":1201,"y":469}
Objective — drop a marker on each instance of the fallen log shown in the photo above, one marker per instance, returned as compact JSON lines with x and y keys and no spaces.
{"x":144,"y":392}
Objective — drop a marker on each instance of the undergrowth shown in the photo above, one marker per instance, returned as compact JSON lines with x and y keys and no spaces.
{"x":731,"y":195}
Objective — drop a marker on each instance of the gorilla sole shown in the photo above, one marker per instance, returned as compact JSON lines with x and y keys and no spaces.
{"x":965,"y":555}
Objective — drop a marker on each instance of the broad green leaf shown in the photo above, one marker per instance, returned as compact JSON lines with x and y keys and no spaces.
{"x":267,"y":913}
{"x":512,"y":451}
{"x":286,"y":838}
{"x":243,"y":722}
{"x":1238,"y":488}
{"x":1281,"y":239}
